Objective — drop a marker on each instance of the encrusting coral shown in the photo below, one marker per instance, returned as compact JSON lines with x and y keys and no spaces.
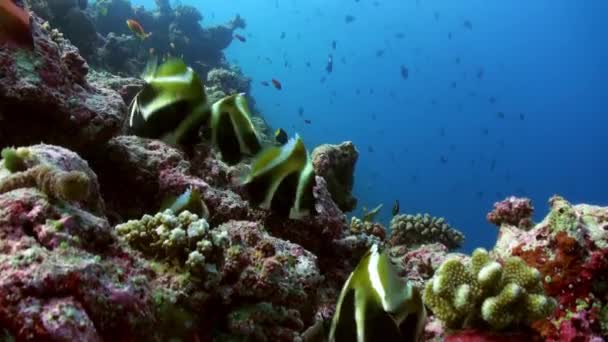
{"x":65,"y":185}
{"x":420,"y":229}
{"x":487,"y":293}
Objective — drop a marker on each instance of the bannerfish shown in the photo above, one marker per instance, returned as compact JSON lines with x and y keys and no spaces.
{"x":171,"y":106}
{"x":282,"y":179}
{"x":376,"y":304}
{"x":137,"y":29}
{"x":281,"y":136}
{"x":395,"y":210}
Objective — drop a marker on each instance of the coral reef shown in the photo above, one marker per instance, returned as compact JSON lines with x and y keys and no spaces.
{"x":336,"y":163}
{"x":514,"y":211}
{"x":420,"y":229}
{"x":486,"y":292}
{"x":88,"y":251}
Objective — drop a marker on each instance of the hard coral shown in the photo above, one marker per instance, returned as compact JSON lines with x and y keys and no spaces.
{"x":514,"y":211}
{"x":486,"y":292}
{"x":419,"y":229}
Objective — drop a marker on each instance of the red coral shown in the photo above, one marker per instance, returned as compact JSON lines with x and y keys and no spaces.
{"x":573,"y":273}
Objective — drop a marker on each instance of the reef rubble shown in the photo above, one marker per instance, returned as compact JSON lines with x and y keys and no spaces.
{"x":88,"y":254}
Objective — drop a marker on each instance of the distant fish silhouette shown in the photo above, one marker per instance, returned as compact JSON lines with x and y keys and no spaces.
{"x":404,"y":72}
{"x":277,"y":84}
{"x":467,"y":24}
{"x":349,"y":19}
{"x":240,"y":38}
{"x":330,"y":64}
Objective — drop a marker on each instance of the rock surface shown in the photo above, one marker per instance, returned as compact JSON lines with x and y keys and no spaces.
{"x":48,"y":86}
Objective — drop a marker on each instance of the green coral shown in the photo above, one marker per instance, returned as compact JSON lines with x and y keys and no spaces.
{"x":487,"y":293}
{"x":14,"y":159}
{"x":184,"y":240}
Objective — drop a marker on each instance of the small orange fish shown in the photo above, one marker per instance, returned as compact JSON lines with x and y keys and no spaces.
{"x":277,"y":84}
{"x":14,"y":25}
{"x":137,"y":29}
{"x":241,"y":38}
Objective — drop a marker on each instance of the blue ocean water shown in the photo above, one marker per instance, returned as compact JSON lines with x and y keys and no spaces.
{"x":437,"y":141}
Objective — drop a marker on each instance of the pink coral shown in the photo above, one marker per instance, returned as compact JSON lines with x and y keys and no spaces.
{"x":513,"y":211}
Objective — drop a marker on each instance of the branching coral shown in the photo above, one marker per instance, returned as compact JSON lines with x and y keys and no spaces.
{"x":65,"y":185}
{"x":184,"y":240}
{"x":486,"y":292}
{"x":415,"y":230}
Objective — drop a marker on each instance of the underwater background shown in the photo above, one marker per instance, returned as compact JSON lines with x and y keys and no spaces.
{"x":514,"y":105}
{"x":184,"y":204}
